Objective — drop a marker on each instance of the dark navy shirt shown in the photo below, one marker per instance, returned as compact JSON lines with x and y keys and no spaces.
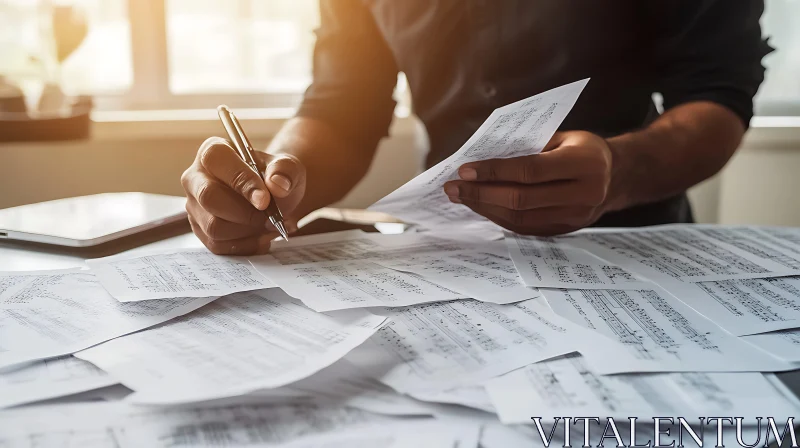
{"x":464,"y":58}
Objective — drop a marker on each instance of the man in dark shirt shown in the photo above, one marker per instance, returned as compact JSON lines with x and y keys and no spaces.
{"x":614,"y":162}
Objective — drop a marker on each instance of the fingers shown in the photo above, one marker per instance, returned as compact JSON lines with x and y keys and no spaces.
{"x":524,"y":197}
{"x":284,"y":173}
{"x":538,"y":168}
{"x":219,"y":228}
{"x":540,"y":222}
{"x":220,"y":160}
{"x":252,"y":245}
{"x":219,"y":200}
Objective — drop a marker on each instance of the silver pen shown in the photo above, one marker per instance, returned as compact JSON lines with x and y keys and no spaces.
{"x":245,"y":150}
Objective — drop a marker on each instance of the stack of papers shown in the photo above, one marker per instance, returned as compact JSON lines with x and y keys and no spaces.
{"x":442,"y":337}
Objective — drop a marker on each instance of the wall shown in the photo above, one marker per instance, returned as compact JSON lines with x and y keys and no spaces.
{"x":148,"y":153}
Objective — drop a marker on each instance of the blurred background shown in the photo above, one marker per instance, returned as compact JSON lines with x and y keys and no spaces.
{"x":154,"y":71}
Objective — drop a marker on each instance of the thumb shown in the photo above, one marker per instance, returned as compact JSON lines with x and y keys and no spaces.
{"x":284,"y":175}
{"x":555,"y":142}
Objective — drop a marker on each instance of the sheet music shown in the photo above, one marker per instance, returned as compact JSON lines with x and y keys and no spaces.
{"x":659,"y":331}
{"x":342,"y":384}
{"x":518,"y":129}
{"x":239,"y":344}
{"x":781,"y":344}
{"x":447,"y":345}
{"x":567,"y":386}
{"x":173,"y":274}
{"x":53,"y":313}
{"x":301,"y":426}
{"x":358,"y":245}
{"x":744,"y":307}
{"x":484,"y":276}
{"x":696,"y":253}
{"x":553,"y":263}
{"x":51,"y":378}
{"x":470,"y":396}
{"x":339,"y":285}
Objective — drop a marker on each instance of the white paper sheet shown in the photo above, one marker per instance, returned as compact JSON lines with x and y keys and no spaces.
{"x":53,"y":313}
{"x":171,"y":274}
{"x":518,"y":129}
{"x":342,"y":384}
{"x":239,"y":344}
{"x":567,"y":387}
{"x":659,"y":331}
{"x":304,"y":426}
{"x":52,"y":378}
{"x":553,"y":263}
{"x":446,"y":345}
{"x":482,"y":276}
{"x":744,"y":307}
{"x":781,"y":344}
{"x":694,"y":253}
{"x":339,"y":285}
{"x":357,"y":245}
{"x":470,"y":396}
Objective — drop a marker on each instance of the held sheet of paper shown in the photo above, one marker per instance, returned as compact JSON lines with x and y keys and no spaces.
{"x":52,"y":378}
{"x":566,"y":386}
{"x":446,"y":345}
{"x":518,"y":129}
{"x":239,"y":344}
{"x":661,"y":332}
{"x":171,"y":274}
{"x":44,"y":314}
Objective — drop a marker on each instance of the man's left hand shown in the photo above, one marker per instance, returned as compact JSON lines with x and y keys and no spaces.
{"x":562,"y":189}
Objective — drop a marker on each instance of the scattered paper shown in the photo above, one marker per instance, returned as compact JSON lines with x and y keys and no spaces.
{"x":744,"y":307}
{"x":694,"y":253}
{"x":239,"y":344}
{"x":470,"y":396}
{"x":659,"y":332}
{"x":54,"y":313}
{"x":567,"y":386}
{"x":447,"y":345}
{"x":553,"y":263}
{"x":173,"y":274}
{"x":781,"y":344}
{"x":484,"y":276}
{"x":115,"y":425}
{"x":49,"y":379}
{"x":338,"y":285}
{"x":518,"y":129}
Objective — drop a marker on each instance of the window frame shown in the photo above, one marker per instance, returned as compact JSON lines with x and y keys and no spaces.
{"x":149,"y":89}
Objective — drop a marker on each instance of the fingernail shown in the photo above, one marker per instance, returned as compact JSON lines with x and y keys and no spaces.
{"x":451,"y":190}
{"x":454,"y":199}
{"x":257,"y":198}
{"x":468,"y":173}
{"x":281,"y":181}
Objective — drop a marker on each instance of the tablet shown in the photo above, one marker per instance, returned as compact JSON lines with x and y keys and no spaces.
{"x":90,"y":220}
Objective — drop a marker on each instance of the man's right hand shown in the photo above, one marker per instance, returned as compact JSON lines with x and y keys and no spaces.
{"x":226,"y":199}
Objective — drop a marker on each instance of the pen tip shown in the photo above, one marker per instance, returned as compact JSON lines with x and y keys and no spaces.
{"x":281,"y":230}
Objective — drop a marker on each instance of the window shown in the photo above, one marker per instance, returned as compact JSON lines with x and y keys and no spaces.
{"x":780,"y":93}
{"x":178,"y":54}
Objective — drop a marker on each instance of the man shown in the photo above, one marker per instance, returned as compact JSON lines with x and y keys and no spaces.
{"x":616,"y":162}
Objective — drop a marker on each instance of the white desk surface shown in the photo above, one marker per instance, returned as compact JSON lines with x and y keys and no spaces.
{"x":23,"y":259}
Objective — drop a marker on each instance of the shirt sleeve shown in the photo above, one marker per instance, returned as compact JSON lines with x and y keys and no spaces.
{"x":709,"y":50}
{"x":354,"y":75}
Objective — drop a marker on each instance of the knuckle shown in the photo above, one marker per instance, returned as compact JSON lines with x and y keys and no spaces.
{"x":217,"y":247}
{"x":185,"y":178}
{"x":212,"y":225}
{"x":204,"y":194}
{"x":243,"y":182}
{"x":526,"y":173}
{"x":516,"y":200}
